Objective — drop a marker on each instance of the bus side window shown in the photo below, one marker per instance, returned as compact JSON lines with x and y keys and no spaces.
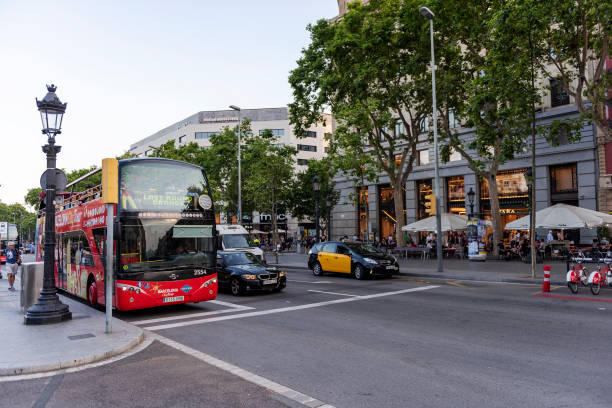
{"x":99,"y":235}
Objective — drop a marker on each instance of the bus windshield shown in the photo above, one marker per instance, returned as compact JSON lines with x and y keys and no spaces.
{"x":158,"y":244}
{"x":159,"y":185}
{"x":235,"y":241}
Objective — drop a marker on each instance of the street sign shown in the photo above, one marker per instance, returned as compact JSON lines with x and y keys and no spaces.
{"x":60,"y":179}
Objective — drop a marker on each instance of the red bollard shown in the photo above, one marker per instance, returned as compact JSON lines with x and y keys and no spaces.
{"x":546,"y":282}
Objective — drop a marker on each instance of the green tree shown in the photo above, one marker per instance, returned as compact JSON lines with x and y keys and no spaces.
{"x":19,"y":215}
{"x":270,"y":180}
{"x":301,"y":202}
{"x":485,"y":80}
{"x":220,"y":162}
{"x":573,"y":40}
{"x":358,"y":67}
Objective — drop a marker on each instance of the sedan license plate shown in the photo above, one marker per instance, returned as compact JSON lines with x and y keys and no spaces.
{"x":269,"y":282}
{"x":390,"y":267}
{"x":174,"y":299}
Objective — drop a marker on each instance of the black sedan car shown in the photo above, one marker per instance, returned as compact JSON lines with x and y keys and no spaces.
{"x":361,"y":260}
{"x":242,"y":271}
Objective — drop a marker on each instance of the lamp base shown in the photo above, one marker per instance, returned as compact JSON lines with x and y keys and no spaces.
{"x":47,"y":310}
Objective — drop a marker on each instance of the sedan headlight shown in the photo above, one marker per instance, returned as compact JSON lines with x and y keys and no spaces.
{"x":370,"y":260}
{"x":281,"y":274}
{"x":249,"y":277}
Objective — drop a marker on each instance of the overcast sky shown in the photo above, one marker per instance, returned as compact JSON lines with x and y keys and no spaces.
{"x":129,"y":68}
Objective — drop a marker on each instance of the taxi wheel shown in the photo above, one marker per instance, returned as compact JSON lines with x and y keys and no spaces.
{"x":317,"y":270}
{"x":236,"y":287}
{"x":359,"y":272}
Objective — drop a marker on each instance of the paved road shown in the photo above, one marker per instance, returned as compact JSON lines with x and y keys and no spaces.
{"x":385,"y":343}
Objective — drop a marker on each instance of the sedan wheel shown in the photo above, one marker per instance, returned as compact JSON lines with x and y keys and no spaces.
{"x":317,"y":270}
{"x":236,"y":287}
{"x":359,"y":272}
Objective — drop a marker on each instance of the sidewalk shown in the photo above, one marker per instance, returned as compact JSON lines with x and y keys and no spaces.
{"x":32,"y":349}
{"x":457,"y":269}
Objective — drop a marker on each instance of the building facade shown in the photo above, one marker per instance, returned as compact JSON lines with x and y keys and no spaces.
{"x":200,"y":126}
{"x":565,"y":173}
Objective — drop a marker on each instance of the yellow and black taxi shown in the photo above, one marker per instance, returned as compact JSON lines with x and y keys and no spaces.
{"x":361,"y":260}
{"x":241,"y":271}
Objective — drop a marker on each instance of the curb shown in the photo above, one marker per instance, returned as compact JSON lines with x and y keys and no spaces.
{"x":8,"y":372}
{"x":454,"y":277}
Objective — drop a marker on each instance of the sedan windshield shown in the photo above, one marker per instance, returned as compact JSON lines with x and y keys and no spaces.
{"x":158,"y":244}
{"x":364,"y":249}
{"x":240,"y":258}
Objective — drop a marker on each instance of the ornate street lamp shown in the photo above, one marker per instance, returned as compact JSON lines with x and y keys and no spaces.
{"x":471,"y":194}
{"x":316,"y":185}
{"x":48,"y":307}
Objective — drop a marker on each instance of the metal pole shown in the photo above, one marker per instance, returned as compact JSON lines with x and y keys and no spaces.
{"x":108,"y":276}
{"x":48,"y":307}
{"x":239,"y":169}
{"x":329,"y":223}
{"x":317,"y":216}
{"x":437,"y":170}
{"x":532,"y":201}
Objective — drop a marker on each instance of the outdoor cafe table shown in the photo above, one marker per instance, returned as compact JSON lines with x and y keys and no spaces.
{"x":409,"y":250}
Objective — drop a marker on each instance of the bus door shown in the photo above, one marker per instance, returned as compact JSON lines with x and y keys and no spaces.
{"x":60,"y":260}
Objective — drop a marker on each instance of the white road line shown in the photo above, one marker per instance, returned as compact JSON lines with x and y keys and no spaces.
{"x":288,"y":309}
{"x":246,"y":375}
{"x":185,"y":316}
{"x":232,"y":305}
{"x":330,"y":293}
{"x":145,"y":343}
{"x":313,"y":282}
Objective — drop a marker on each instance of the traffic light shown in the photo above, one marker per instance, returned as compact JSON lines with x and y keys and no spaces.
{"x":430,"y":204}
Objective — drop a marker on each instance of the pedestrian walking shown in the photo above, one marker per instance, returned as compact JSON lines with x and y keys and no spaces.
{"x":13,"y":260}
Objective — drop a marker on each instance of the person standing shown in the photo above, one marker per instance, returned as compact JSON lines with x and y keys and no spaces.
{"x":13,"y":260}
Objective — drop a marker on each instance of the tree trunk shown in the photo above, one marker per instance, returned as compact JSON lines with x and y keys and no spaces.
{"x":274,"y":227}
{"x":495,"y":214}
{"x":398,"y":199}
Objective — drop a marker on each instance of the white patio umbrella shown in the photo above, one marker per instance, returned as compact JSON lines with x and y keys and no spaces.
{"x":256,"y":231}
{"x":450,"y":222}
{"x":563,"y":216}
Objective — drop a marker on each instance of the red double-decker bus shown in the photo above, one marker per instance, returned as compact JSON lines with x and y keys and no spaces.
{"x":164,"y":236}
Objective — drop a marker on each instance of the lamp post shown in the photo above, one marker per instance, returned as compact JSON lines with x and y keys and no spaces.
{"x":48,"y":308}
{"x":471,"y":194}
{"x":316,"y":185}
{"x":529,"y":179}
{"x":429,"y":15}
{"x":236,"y":108}
{"x":328,"y":203}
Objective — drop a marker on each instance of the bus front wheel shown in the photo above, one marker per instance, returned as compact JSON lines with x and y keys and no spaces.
{"x":92,"y":292}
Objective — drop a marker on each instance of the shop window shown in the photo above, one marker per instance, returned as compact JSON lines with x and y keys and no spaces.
{"x":558,"y":95}
{"x":563,"y":179}
{"x":424,"y":125}
{"x":399,"y":128}
{"x":455,"y":188}
{"x":454,"y":155}
{"x":362,"y":210}
{"x":510,"y":183}
{"x":424,"y":188}
{"x":423,"y":157}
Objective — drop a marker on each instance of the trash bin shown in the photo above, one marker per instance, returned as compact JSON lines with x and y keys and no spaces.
{"x":31,"y":283}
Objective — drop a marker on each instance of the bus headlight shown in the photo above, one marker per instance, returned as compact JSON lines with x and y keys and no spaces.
{"x":249,"y":277}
